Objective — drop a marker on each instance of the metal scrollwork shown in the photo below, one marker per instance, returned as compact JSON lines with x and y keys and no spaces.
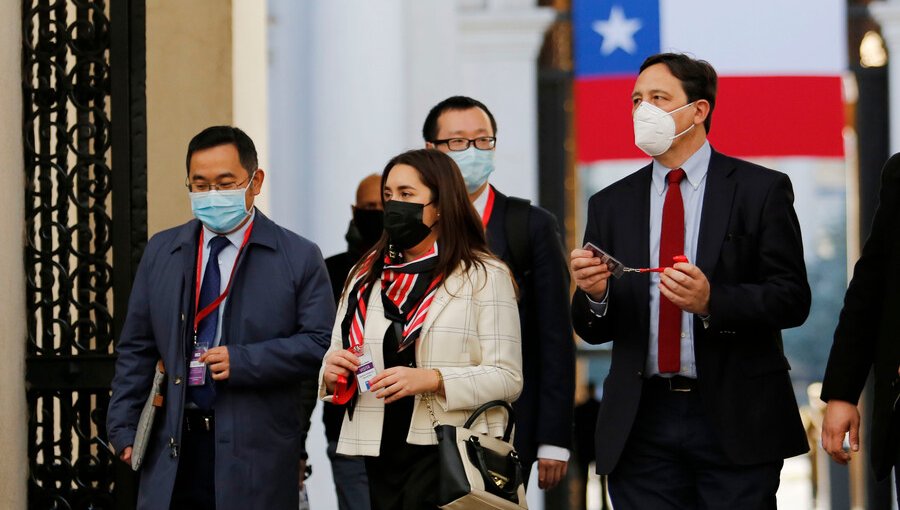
{"x":69,"y":247}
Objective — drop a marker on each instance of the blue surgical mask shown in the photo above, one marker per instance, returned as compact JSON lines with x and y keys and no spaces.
{"x":475,"y":165}
{"x":220,"y":210}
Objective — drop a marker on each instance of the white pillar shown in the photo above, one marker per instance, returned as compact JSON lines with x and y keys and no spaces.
{"x":13,"y":438}
{"x":499,"y":41}
{"x":887,"y":13}
{"x":433,"y":60}
{"x":249,"y":71}
{"x":341,"y":76}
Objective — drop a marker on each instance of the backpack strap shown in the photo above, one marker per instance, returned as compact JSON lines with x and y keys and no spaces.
{"x":518,"y":211}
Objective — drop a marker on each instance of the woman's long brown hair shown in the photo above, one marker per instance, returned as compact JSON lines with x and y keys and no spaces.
{"x":460,"y":232}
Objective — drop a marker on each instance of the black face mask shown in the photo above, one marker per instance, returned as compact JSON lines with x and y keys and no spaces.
{"x":370,"y":224}
{"x":403,"y":224}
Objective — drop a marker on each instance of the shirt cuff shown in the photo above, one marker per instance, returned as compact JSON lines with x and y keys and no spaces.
{"x":550,"y":452}
{"x":598,"y":308}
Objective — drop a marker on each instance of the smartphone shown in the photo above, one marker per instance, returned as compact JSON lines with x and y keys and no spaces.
{"x":615,"y":267}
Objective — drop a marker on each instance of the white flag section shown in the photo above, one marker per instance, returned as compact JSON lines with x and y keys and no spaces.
{"x":759,"y":37}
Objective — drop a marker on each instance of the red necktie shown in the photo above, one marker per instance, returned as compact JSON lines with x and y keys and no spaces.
{"x":671,"y":243}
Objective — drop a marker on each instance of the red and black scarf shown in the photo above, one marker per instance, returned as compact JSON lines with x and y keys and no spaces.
{"x":407,"y":291}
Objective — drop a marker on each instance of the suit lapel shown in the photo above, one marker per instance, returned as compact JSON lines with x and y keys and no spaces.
{"x":187,"y":243}
{"x":641,"y":249}
{"x":496,"y":235}
{"x":451,"y":287}
{"x":716,"y":213}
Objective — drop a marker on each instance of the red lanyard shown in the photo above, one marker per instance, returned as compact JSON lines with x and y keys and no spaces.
{"x":489,"y":207}
{"x":199,"y":315}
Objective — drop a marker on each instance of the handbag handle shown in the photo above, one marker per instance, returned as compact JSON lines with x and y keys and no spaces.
{"x":510,"y":422}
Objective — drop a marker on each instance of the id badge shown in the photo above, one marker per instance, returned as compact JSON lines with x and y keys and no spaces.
{"x":366,"y":371}
{"x":196,"y":368}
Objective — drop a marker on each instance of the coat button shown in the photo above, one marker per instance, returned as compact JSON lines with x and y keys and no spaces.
{"x":640,"y":373}
{"x":177,"y":381}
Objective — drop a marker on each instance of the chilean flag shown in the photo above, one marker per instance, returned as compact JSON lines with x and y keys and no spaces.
{"x":779,"y":64}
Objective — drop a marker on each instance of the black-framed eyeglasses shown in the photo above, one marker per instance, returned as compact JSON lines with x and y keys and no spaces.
{"x":226,"y":186}
{"x":484,"y":143}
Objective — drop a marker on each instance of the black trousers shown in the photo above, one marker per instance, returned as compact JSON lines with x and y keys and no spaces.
{"x":673,"y":460}
{"x":404,"y":476}
{"x":195,"y":481}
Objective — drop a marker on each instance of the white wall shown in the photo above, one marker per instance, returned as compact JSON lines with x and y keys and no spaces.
{"x":350,"y":83}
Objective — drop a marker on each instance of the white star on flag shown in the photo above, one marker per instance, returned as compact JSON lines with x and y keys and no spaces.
{"x":617,"y":31}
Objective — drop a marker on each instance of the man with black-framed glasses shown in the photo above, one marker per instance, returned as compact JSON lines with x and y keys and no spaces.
{"x":527,"y":239}
{"x":238,"y":310}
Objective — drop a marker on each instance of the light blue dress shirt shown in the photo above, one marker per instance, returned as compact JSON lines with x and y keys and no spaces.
{"x":692,"y":188}
{"x":227,"y":259}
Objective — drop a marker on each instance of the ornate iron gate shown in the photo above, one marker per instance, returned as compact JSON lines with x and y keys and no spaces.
{"x":85,"y":198}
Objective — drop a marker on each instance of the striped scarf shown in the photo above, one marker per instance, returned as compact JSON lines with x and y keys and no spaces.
{"x":407,"y":291}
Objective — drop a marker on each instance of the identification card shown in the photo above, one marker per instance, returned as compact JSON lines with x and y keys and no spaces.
{"x":615,"y":267}
{"x":366,"y":371}
{"x":196,"y":368}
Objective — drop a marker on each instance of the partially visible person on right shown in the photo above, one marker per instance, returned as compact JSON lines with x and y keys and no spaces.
{"x":867,"y":336}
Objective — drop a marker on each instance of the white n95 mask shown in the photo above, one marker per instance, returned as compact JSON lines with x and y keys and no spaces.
{"x":654,"y":128}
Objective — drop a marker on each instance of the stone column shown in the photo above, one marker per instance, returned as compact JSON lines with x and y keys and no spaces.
{"x":13,"y":418}
{"x":499,"y":41}
{"x":250,"y":72}
{"x":338,"y":108}
{"x":189,"y":87}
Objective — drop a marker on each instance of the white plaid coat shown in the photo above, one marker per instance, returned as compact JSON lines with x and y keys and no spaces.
{"x":471,"y":334}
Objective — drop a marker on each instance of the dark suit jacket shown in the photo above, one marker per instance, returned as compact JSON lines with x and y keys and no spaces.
{"x":868,"y":332}
{"x":276,"y":324}
{"x":751,"y":251}
{"x":544,"y":409}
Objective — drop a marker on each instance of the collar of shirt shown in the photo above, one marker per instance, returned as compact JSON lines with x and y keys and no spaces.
{"x":236,"y":238}
{"x":481,"y":202}
{"x":695,"y":169}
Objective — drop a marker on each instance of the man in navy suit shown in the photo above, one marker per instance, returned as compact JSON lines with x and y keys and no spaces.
{"x":239,"y":310}
{"x":698,"y":409}
{"x":527,"y":238}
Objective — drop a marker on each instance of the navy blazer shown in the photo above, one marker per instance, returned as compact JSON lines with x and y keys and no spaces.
{"x":544,"y":411}
{"x":276,"y":324}
{"x":866,"y":334}
{"x":751,"y":251}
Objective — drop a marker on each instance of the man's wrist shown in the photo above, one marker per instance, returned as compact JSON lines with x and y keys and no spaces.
{"x":553,"y":452}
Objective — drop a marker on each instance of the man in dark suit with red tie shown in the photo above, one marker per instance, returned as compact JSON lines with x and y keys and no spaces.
{"x":698,"y":409}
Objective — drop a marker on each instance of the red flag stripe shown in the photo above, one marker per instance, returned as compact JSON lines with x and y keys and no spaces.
{"x":755,"y":116}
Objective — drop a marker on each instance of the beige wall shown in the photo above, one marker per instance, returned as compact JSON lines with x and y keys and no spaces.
{"x":13,"y":432}
{"x":189,"y":87}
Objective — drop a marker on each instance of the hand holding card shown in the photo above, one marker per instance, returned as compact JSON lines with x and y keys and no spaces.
{"x":615,"y":267}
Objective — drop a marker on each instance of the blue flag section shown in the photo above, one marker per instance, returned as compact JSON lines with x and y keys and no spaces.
{"x":613,"y":37}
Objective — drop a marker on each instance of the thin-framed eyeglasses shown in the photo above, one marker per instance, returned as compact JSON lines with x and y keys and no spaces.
{"x":484,"y":143}
{"x":228,"y":186}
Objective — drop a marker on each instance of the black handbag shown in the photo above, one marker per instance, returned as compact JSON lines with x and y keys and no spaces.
{"x":479,"y":471}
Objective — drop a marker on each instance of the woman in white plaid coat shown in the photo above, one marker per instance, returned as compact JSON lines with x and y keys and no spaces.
{"x":427,"y":330}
